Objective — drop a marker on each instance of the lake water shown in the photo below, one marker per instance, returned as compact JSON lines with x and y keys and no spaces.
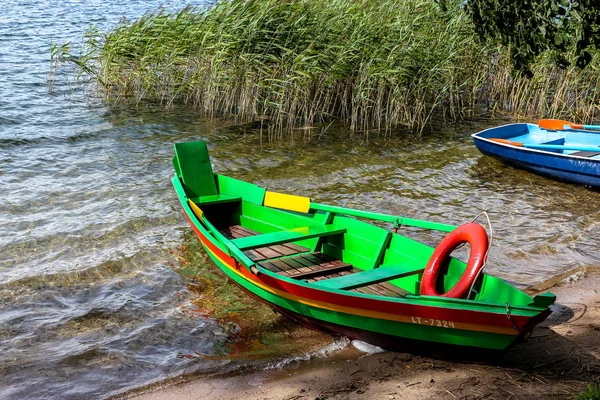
{"x":93,"y":300}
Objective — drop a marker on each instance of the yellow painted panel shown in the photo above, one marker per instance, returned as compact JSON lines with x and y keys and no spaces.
{"x":195,"y":209}
{"x":287,"y":202}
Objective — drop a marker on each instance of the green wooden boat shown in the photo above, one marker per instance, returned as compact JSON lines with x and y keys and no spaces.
{"x":329,"y":269}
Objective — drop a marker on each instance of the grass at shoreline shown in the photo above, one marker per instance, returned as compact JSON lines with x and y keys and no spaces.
{"x":375,"y":65}
{"x":591,"y":393}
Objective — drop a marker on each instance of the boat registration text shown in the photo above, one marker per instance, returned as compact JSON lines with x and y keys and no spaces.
{"x":432,"y":322}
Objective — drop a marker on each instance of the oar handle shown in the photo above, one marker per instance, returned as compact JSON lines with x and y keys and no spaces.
{"x":559,"y":147}
{"x":592,"y":127}
{"x":561,"y":125}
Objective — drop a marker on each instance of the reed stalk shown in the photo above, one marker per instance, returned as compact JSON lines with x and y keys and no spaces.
{"x":376,"y":65}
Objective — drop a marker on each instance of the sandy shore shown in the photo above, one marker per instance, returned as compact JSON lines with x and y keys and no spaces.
{"x":557,"y":361}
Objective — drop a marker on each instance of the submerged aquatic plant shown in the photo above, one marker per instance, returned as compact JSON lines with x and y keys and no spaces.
{"x":373,"y":64}
{"x":253,"y":330}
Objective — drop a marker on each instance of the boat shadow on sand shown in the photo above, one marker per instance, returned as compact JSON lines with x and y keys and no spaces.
{"x":557,"y":361}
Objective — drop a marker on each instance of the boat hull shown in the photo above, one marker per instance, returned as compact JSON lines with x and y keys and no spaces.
{"x":563,"y":167}
{"x":417,"y":333}
{"x":342,"y":275}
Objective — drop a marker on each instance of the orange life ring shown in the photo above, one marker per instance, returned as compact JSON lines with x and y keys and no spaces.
{"x":471,"y":233}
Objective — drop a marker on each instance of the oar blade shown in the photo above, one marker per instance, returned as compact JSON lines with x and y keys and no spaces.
{"x":553,"y":124}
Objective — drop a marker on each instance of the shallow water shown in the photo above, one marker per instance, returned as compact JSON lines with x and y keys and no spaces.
{"x":91,"y":301}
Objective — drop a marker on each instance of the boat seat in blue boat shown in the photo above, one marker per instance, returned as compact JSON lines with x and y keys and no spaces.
{"x":585,"y":153}
{"x":366,"y":278}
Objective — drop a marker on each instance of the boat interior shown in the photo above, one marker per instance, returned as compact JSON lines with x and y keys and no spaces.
{"x":533,"y":134}
{"x":343,"y":253}
{"x":328,"y":250}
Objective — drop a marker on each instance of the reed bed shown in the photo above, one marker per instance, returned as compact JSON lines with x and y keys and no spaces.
{"x":376,"y":65}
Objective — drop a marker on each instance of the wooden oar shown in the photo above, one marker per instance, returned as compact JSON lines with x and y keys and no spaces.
{"x":546,"y":146}
{"x":559,"y":125}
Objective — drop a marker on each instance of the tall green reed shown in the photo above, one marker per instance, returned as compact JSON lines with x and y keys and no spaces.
{"x":376,"y":65}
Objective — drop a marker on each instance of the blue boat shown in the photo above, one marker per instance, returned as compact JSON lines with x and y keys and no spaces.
{"x":570,"y":155}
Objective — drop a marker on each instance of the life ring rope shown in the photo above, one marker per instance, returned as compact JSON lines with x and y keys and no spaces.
{"x":491,"y":239}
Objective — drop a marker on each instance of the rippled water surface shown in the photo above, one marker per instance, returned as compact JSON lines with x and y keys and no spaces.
{"x":92,"y":298}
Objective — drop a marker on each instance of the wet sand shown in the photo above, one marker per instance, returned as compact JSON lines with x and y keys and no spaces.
{"x":558,"y":361}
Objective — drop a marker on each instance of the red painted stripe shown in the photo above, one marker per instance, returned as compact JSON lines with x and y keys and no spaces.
{"x":429,"y":312}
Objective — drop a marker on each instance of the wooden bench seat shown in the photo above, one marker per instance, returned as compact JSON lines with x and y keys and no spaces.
{"x":286,"y":236}
{"x":215,"y":199}
{"x":330,"y":269}
{"x":366,"y":278}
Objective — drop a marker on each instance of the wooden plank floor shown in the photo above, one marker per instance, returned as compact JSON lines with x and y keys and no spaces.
{"x":298,"y":263}
{"x":280,"y":250}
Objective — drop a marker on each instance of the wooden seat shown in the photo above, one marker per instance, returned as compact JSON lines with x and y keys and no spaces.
{"x":215,"y":199}
{"x":333,"y":268}
{"x":279,"y":250}
{"x":366,"y":278}
{"x":306,"y":266}
{"x":286,"y":236}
